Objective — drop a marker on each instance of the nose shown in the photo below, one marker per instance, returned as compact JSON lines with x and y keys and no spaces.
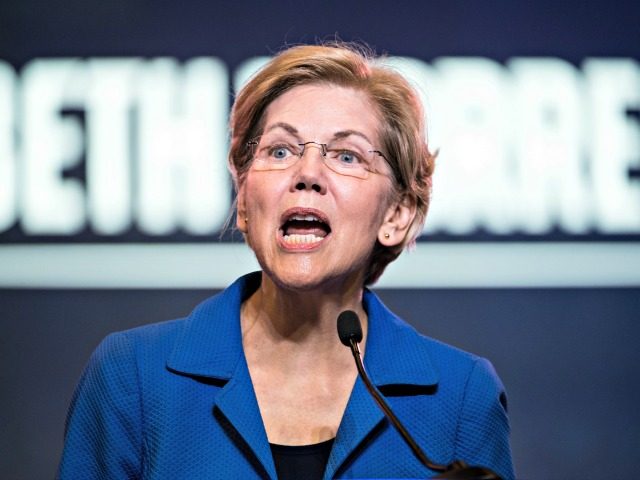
{"x":310,"y":171}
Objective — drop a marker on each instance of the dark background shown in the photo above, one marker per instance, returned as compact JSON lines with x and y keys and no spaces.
{"x":569,"y":357}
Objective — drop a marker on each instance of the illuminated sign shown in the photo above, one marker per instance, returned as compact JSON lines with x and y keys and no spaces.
{"x":152,"y":135}
{"x":534,"y":145}
{"x":125,"y":158}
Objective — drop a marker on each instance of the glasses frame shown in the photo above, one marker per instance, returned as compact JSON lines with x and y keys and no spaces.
{"x":252,"y":144}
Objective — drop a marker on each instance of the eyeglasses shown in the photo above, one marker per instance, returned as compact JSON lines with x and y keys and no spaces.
{"x":349,"y":156}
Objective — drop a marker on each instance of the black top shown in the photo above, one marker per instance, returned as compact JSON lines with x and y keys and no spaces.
{"x":301,"y":461}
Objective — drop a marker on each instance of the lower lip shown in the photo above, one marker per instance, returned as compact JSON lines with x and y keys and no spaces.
{"x":300,"y":247}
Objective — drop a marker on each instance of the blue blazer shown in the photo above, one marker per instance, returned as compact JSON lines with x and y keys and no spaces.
{"x":174,"y":400}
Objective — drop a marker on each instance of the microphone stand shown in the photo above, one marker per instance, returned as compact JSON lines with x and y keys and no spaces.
{"x":458,"y":470}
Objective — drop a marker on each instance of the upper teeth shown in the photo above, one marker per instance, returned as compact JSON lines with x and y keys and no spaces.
{"x":308,"y":218}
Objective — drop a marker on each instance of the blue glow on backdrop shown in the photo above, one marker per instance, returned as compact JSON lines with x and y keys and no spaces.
{"x":114,"y":191}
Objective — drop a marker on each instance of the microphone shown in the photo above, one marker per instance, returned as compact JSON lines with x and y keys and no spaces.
{"x":350,"y":333}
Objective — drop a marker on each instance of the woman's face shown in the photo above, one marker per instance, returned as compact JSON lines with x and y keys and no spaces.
{"x":308,"y":224}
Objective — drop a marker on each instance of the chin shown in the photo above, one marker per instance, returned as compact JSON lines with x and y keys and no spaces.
{"x":306,"y":277}
{"x":296,"y":280}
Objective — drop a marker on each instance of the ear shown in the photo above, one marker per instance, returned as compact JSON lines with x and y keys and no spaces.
{"x":241,"y":210}
{"x":397,"y":221}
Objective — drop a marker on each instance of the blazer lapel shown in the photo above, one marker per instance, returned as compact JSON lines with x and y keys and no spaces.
{"x":360,"y":418}
{"x":393,"y":356}
{"x":210,"y":346}
{"x":237,"y":402}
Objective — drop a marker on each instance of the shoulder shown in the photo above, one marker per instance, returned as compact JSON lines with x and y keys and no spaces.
{"x":400,"y":350}
{"x":463,"y":373}
{"x":115,"y":367}
{"x":147,"y":339}
{"x":473,"y":370}
{"x":468,"y":399}
{"x":466,"y":383}
{"x":159,"y":339}
{"x":464,"y":395}
{"x":206,"y":342}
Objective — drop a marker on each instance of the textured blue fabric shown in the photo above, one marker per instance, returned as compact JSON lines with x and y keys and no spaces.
{"x":174,"y":400}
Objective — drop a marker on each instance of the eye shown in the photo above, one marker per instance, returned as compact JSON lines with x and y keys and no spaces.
{"x":279,"y":152}
{"x":348,"y":157}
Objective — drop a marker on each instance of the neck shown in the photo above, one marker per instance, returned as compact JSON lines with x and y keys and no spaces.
{"x":295,"y":319}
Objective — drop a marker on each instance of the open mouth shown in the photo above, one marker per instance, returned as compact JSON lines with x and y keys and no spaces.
{"x":304,"y":227}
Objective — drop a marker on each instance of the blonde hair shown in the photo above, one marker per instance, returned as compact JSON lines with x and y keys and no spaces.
{"x":402,"y":132}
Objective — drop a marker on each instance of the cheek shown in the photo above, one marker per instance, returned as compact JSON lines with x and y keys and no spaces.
{"x":257,"y":194}
{"x":370,"y":204}
{"x":262,"y":194}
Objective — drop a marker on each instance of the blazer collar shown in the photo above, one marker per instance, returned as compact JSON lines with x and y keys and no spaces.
{"x":210,"y":343}
{"x":395,"y":353}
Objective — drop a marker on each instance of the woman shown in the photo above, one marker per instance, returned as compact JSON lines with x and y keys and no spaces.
{"x":333,"y":176}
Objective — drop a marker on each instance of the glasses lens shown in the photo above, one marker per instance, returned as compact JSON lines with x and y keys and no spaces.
{"x":274,"y":153}
{"x":350,"y":156}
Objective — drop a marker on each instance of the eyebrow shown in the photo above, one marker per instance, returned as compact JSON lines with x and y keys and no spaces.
{"x":348,"y":133}
{"x":336,"y":136}
{"x":285,"y":126}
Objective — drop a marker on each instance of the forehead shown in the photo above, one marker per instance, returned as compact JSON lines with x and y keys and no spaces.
{"x":320,"y":111}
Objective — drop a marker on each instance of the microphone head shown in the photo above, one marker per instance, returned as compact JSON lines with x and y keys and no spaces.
{"x":349,"y":327}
